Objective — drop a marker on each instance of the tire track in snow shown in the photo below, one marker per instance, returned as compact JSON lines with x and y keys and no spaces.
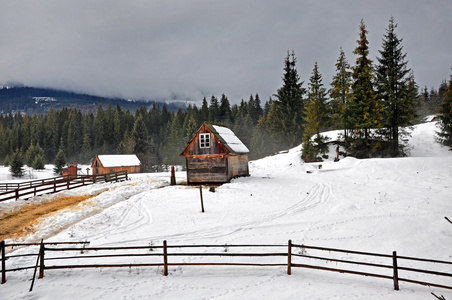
{"x":319,"y":193}
{"x":103,"y":202}
{"x":135,"y":211}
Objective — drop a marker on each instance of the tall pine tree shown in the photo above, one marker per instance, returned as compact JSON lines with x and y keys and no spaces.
{"x":316,"y":118}
{"x":445,"y":123}
{"x":395,"y":90}
{"x":340,"y":93}
{"x":286,"y":115}
{"x":365,"y":111}
{"x":17,"y":164}
{"x":59,"y":162}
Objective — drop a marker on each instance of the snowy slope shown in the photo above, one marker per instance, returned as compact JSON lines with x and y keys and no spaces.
{"x":375,"y":205}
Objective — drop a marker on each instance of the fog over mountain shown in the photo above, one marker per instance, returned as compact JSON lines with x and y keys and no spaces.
{"x":191,"y":49}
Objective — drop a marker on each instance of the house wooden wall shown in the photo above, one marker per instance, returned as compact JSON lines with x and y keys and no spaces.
{"x":214,"y":164}
{"x":212,"y":168}
{"x":98,"y":169}
{"x":238,"y":166}
{"x":195,"y":149}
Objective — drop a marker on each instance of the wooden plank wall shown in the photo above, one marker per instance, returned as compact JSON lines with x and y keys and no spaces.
{"x":207,"y":169}
{"x":238,"y":165}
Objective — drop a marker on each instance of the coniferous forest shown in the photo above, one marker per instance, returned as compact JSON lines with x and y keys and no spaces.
{"x":371,"y":101}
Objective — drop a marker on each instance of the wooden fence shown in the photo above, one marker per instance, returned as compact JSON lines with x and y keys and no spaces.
{"x":28,"y":189}
{"x":53,"y":256}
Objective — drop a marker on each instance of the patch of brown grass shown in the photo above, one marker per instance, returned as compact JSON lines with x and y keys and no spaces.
{"x":20,"y":222}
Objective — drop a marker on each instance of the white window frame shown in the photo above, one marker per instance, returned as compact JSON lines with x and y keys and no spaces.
{"x":204,"y":140}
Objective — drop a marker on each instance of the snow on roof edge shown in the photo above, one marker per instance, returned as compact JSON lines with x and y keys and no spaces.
{"x":231,"y":139}
{"x":118,"y":160}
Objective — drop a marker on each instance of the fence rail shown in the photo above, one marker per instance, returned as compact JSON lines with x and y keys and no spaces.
{"x":54,"y":256}
{"x":28,"y":189}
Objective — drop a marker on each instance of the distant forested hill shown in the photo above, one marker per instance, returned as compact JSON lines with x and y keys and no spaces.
{"x":33,"y":100}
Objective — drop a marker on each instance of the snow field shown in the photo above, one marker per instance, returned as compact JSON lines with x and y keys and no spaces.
{"x":371,"y":205}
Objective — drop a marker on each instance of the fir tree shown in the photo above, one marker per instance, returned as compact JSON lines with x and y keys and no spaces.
{"x":59,"y":162}
{"x":38,"y":162}
{"x":190,"y":129}
{"x":286,"y":115}
{"x":445,"y":117}
{"x":214,"y":110}
{"x":365,"y":110}
{"x":316,"y":117}
{"x":258,"y":111}
{"x":139,"y":135}
{"x":16,"y":167}
{"x":225,"y":114}
{"x":340,"y":93}
{"x":204,"y":112}
{"x":32,"y":153}
{"x":395,"y":87}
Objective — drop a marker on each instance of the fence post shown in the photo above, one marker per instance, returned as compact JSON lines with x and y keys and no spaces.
{"x":396,"y":273}
{"x":165,"y":259}
{"x":17,"y":194}
{"x":289,"y":258}
{"x":173,"y":176}
{"x":2,"y":250}
{"x":41,"y":258}
{"x":202,"y":202}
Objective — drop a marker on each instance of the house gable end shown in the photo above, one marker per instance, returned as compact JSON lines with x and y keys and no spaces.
{"x":217,"y":147}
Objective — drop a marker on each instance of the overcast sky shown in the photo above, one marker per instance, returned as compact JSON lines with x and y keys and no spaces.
{"x":194,"y":48}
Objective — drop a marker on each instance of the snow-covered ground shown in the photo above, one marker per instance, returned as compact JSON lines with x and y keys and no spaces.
{"x":373,"y":205}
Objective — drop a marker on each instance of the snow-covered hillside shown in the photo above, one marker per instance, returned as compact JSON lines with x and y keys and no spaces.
{"x":374,"y":205}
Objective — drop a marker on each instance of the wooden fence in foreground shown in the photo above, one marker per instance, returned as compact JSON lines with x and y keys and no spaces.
{"x":61,"y":255}
{"x":28,"y":189}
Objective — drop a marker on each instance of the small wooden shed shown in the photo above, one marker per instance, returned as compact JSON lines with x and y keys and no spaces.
{"x":215,"y":155}
{"x":70,"y":171}
{"x":104,"y":164}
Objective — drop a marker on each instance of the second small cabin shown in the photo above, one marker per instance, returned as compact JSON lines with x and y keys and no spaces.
{"x":104,"y":164}
{"x":215,"y":155}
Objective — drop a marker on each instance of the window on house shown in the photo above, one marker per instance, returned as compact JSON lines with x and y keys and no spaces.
{"x":204,"y":140}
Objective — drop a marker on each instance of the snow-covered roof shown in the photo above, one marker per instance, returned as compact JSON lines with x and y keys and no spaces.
{"x":430,"y":118}
{"x":119,"y":160}
{"x":229,"y":139}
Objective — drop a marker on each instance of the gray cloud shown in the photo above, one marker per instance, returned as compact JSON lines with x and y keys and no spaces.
{"x":157,"y":49}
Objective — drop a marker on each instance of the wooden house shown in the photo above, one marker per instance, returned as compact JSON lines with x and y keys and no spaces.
{"x":104,"y":164}
{"x":215,"y":155}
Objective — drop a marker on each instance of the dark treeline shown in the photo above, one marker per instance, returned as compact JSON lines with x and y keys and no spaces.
{"x":156,"y":135}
